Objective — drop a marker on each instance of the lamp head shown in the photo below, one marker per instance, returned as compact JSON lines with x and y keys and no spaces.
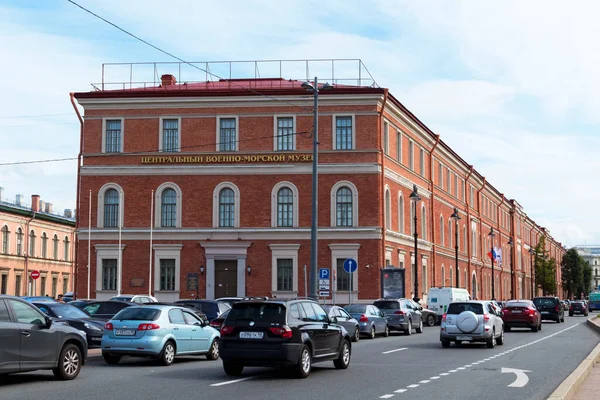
{"x":455,"y":215}
{"x":510,"y":242}
{"x":414,"y":196}
{"x":307,"y":86}
{"x":491,"y":234}
{"x":327,"y":86}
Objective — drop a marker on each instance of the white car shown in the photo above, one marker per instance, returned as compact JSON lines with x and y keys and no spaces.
{"x":472,"y":321}
{"x":135,"y":298}
{"x":438,"y":299}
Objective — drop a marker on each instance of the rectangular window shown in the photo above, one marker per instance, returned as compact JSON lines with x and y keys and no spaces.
{"x":440,"y":175}
{"x":462,"y":190}
{"x":472,"y":196}
{"x":411,"y":156}
{"x":285,"y":277}
{"x":42,"y":286}
{"x":455,"y":185}
{"x":113,"y":136}
{"x":5,"y":234}
{"x":4,"y":284}
{"x":448,"y":187}
{"x":55,"y":248}
{"x":66,"y":243}
{"x":18,"y":285}
{"x":65,"y":284}
{"x":343,"y":278}
{"x":386,"y":129}
{"x":170,"y":142}
{"x":109,"y":276}
{"x":343,"y":133}
{"x":399,"y":146}
{"x":285,"y":133}
{"x":422,"y":159}
{"x":227,"y":134}
{"x":167,"y":274}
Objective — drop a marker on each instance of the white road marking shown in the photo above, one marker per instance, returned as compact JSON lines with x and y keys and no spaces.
{"x":400,"y":391}
{"x":435,"y":377}
{"x":386,"y":396}
{"x":444,"y":374}
{"x":425,"y":381}
{"x":453,"y":370}
{"x":468,"y":365}
{"x":460,"y":368}
{"x":522,"y":377}
{"x":230,"y":382}
{"x":413,"y":386}
{"x":395,"y":350}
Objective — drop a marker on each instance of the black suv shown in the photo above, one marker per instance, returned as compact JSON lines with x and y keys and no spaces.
{"x":550,"y":307}
{"x":272,"y":333}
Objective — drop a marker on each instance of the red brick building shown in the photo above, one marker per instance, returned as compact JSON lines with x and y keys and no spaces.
{"x":211,"y":183}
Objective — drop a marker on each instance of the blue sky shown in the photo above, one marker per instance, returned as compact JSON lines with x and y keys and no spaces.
{"x":514,"y":94}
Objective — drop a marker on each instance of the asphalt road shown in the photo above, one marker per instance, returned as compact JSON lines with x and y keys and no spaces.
{"x":397,"y":367}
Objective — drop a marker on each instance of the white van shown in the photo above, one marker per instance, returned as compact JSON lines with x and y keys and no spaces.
{"x":440,"y":298}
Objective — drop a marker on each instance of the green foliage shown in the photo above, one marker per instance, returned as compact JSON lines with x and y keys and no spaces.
{"x":576,"y":274}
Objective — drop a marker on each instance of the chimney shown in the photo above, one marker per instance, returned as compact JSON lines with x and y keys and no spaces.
{"x":35,"y":202}
{"x":18,"y":199}
{"x":68,"y":213}
{"x":168,"y":80}
{"x":49,"y":208}
{"x":42,"y":204}
{"x":1,"y":193}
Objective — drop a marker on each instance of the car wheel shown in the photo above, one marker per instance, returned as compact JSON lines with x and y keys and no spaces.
{"x":420,"y":327}
{"x":507,"y":328}
{"x":356,"y":336}
{"x":540,"y":327}
{"x":563,"y":318}
{"x":408,"y":330}
{"x":372,"y":334}
{"x":500,"y":339}
{"x":430,"y":320}
{"x":570,"y":314}
{"x":232,"y":368}
{"x":213,"y":353}
{"x":445,"y":343}
{"x":386,"y":333}
{"x":69,"y":363}
{"x":111,"y":359}
{"x":167,"y":355}
{"x":535,"y":328}
{"x":343,"y":361}
{"x":491,"y":342}
{"x":304,"y":363}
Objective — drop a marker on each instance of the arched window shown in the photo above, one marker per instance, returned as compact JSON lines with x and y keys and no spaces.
{"x":450,"y":235}
{"x":474,"y":286}
{"x":423,"y":223}
{"x":388,"y":210}
{"x":400,"y":213}
{"x":451,"y":274}
{"x":5,"y":235}
{"x":44,"y":245}
{"x":19,"y":241}
{"x":32,"y":243}
{"x":55,"y":247}
{"x":343,"y":202}
{"x":442,"y":236}
{"x":226,"y":208}
{"x":285,"y":207}
{"x":443,"y":276}
{"x":168,"y":208}
{"x":66,"y":245}
{"x":111,"y":208}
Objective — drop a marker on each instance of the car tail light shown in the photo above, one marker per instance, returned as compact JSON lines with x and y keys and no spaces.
{"x":556,"y":308}
{"x":399,"y":312}
{"x":215,"y":324}
{"x":283,"y":331}
{"x":148,"y":327}
{"x":486,"y":317}
{"x":571,"y":308}
{"x":363,"y":318}
{"x":108,"y":326}
{"x":226,"y":330}
{"x":444,"y":318}
{"x":531,"y":312}
{"x":505,"y":311}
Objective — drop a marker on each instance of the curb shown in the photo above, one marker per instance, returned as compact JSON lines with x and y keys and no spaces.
{"x":92,"y":353}
{"x":569,"y":386}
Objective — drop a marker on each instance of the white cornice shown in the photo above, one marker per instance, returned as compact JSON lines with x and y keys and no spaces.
{"x":396,"y":177}
{"x":412,"y":126}
{"x":407,"y":240}
{"x":214,"y":115}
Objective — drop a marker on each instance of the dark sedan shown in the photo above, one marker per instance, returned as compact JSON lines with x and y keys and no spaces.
{"x":76,"y":318}
{"x":105,"y":310}
{"x":218,"y":322}
{"x":211,"y":308}
{"x":344,"y":319}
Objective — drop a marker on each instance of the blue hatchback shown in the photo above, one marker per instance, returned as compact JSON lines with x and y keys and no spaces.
{"x":160,"y":332}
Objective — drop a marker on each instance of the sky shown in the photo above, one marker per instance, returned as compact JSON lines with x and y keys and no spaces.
{"x":511,"y":86}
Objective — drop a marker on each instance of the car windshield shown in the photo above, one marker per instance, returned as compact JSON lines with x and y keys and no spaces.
{"x":137,"y":314}
{"x":121,"y":298}
{"x":517,"y":304}
{"x":355,"y":309}
{"x":64,"y":310}
{"x":544,"y":302}
{"x":268,"y":312}
{"x":457,"y":308}
{"x":387,"y":305}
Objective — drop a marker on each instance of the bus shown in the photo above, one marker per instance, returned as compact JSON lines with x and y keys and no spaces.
{"x":594,"y":301}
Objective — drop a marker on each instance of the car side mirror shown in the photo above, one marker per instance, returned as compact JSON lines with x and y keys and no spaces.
{"x":48,"y":323}
{"x":333,"y":320}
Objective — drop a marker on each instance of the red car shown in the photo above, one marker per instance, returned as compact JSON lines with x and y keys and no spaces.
{"x":521,"y":314}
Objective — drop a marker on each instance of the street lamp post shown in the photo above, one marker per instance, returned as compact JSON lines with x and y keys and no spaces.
{"x":491,"y":235}
{"x":544,"y":258}
{"x":512,"y":269}
{"x":314,"y":88}
{"x":415,"y":198}
{"x":532,"y":252}
{"x":455,"y":216}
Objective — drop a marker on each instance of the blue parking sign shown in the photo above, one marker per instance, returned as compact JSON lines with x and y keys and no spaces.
{"x":323,"y":273}
{"x":350,"y":265}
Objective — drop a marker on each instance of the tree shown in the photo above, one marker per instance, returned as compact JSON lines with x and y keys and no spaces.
{"x":587,"y":278}
{"x":545,"y":268}
{"x":572,"y":266}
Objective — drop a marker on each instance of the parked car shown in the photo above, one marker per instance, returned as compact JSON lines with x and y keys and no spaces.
{"x":371,"y":320}
{"x":211,"y":308}
{"x":579,"y":308}
{"x":429,"y":316}
{"x":217,"y":322}
{"x":32,"y":341}
{"x":232,"y":300}
{"x":160,"y":332}
{"x":472,"y":321}
{"x":401,"y":314}
{"x":105,"y":310}
{"x":76,"y":318}
{"x":439,"y":298}
{"x":277,"y":333}
{"x":521,"y":314}
{"x":550,"y":308}
{"x":80,"y":303}
{"x":68,"y":297}
{"x":39,"y":299}
{"x":344,"y":319}
{"x":135,"y":298}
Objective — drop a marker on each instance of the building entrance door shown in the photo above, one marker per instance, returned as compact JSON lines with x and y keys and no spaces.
{"x":225,"y":278}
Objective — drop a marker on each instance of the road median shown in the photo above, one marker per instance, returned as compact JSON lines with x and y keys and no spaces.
{"x":567,"y":389}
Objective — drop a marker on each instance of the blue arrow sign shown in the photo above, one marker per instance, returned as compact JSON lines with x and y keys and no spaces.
{"x":350,"y":265}
{"x":324,"y":273}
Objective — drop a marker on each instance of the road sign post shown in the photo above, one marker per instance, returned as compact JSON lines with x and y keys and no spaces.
{"x":350,"y":266}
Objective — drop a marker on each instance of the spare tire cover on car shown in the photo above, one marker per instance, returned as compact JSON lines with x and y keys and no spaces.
{"x":467,"y":321}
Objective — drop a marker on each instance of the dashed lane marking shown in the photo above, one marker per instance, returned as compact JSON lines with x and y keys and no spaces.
{"x":395,"y":350}
{"x":444,"y":374}
{"x":425,"y":381}
{"x":400,"y":391}
{"x":386,"y":396}
{"x":233,"y":381}
{"x":413,"y":386}
{"x":434,"y":377}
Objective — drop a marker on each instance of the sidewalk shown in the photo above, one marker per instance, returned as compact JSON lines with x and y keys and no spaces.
{"x":590,"y":388}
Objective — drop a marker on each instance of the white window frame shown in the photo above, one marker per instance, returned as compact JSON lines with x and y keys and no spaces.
{"x":387,"y":206}
{"x":333,"y":204}
{"x":281,"y":251}
{"x":106,"y":251}
{"x":334,"y":130}
{"x":158,"y":204}
{"x":295,"y":206}
{"x":399,"y":146}
{"x":401,"y":218}
{"x":100,"y":213}
{"x":276,"y":131}
{"x":386,"y":138}
{"x":236,"y":192}
{"x":411,"y":155}
{"x":167,"y":251}
{"x":237,"y":133}
{"x":345,"y":250}
{"x":160,"y":132}
{"x":104,"y":133}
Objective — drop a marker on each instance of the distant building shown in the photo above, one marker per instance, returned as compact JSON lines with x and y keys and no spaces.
{"x":591,"y":254}
{"x":33,"y":239}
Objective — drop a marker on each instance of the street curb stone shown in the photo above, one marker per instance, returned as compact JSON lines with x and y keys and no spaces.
{"x":94,"y":353}
{"x":569,"y":386}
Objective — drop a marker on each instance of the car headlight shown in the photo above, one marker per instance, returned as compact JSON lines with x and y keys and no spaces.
{"x":92,"y":327}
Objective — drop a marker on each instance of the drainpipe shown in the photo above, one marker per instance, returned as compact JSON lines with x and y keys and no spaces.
{"x":74,"y":263}
{"x":437,"y":141}
{"x":500,"y":240}
{"x":26,"y":291}
{"x":468,"y":238}
{"x":382,"y":190}
{"x":478,"y":201}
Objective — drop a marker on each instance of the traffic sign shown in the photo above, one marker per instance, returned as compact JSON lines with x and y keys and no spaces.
{"x":324,"y":294}
{"x":324,"y":273}
{"x":35,"y":274}
{"x":350,"y":265}
{"x":324,"y":287}
{"x":323,"y":281}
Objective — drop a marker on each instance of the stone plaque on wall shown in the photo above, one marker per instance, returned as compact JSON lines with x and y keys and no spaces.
{"x":136,"y":282}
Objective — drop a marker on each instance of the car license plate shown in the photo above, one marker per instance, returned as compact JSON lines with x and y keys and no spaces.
{"x":124,"y":332}
{"x":517,"y":311}
{"x":464,"y":338}
{"x":545,"y":312}
{"x":251,"y":335}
